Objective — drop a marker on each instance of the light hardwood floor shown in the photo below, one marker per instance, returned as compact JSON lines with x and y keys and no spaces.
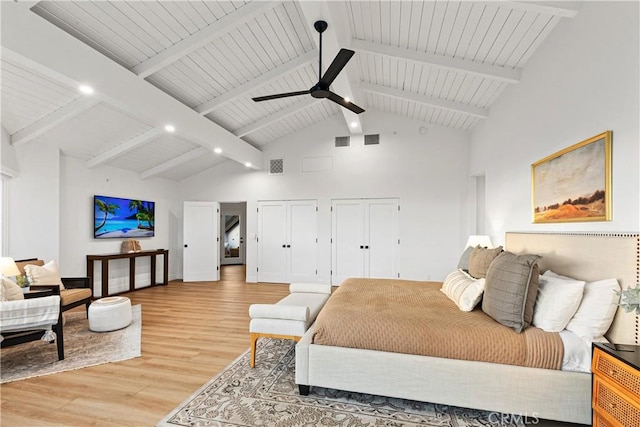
{"x":190,"y":331}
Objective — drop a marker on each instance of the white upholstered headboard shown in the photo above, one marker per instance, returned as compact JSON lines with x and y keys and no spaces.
{"x":590,"y":257}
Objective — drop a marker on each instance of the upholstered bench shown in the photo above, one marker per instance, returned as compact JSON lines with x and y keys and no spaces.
{"x":110,"y":313}
{"x":290,"y":317}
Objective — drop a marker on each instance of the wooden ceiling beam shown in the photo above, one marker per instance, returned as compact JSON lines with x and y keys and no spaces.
{"x":243,"y":89}
{"x":493,"y":72}
{"x":202,"y":37}
{"x":457,"y":107}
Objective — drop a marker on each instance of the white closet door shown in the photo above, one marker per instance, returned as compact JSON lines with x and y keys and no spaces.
{"x":347,"y":236}
{"x":200,"y":253}
{"x":302,"y":241}
{"x":381,"y":243}
{"x":272,"y":241}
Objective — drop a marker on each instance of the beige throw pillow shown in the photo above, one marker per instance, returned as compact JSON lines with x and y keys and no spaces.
{"x":48,"y":274}
{"x":463,"y":289}
{"x":481,"y":259}
{"x":510,"y":290}
{"x":10,"y":291}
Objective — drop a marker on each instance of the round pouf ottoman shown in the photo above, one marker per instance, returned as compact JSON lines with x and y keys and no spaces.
{"x":110,"y":313}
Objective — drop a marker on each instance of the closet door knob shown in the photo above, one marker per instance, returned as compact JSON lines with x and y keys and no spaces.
{"x":366,"y":247}
{"x":361,"y":247}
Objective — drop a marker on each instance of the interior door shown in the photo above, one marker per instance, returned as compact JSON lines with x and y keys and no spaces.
{"x":303,"y":241}
{"x":381,"y":241}
{"x":347,"y":237}
{"x":200,"y":253}
{"x":272,"y":242}
{"x":232,"y":235}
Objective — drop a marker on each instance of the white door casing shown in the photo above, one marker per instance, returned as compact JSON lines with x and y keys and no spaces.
{"x":201,"y":236}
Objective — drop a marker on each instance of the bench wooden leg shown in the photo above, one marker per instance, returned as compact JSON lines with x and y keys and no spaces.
{"x":254,"y":340}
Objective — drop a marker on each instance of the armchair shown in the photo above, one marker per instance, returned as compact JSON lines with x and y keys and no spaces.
{"x":30,"y":319}
{"x":77,"y":290}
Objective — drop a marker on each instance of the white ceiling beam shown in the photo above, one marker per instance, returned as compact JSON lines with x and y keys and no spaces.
{"x":331,"y":44}
{"x":52,"y":120}
{"x":202,"y":37}
{"x":482,"y":113}
{"x":28,"y":35}
{"x":243,"y":89}
{"x":177,"y":161}
{"x":123,"y":148}
{"x":494,"y":72}
{"x":564,"y":9}
{"x":277,"y":116}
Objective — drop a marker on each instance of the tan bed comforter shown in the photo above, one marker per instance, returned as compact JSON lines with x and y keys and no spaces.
{"x":412,"y":317}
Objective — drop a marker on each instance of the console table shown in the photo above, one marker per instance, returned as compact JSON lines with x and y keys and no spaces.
{"x":105,"y":258}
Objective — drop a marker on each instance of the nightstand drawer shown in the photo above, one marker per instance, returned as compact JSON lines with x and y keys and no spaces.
{"x":605,"y":366}
{"x":607,"y":400}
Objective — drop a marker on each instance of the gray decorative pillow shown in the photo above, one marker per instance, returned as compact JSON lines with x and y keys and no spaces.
{"x":481,"y":259}
{"x":463,"y":264}
{"x":510,"y":290}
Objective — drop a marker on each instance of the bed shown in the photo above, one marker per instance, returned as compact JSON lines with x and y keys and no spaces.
{"x":525,"y":391}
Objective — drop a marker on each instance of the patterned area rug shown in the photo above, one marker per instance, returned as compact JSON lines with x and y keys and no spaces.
{"x":82,"y":348}
{"x":268,"y":396}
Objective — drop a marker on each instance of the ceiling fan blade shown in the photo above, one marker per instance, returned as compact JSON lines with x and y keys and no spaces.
{"x":281,"y":95}
{"x":336,"y":66}
{"x":346,"y":104}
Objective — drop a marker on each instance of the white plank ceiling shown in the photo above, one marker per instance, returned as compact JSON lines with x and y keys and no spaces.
{"x":441,"y":62}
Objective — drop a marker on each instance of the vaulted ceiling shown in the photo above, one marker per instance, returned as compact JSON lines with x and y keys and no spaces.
{"x":197,"y":64}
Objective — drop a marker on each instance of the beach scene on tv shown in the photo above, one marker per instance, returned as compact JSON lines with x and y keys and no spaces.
{"x":117,"y":218}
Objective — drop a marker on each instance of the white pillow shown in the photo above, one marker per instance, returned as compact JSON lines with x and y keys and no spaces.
{"x":556,"y":303}
{"x":10,"y":291}
{"x":597,"y":308}
{"x":47,"y":274}
{"x":463,"y":289}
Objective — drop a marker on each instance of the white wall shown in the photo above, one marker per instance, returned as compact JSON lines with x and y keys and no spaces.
{"x":78,"y":186}
{"x":582,"y":81}
{"x":427,"y":172}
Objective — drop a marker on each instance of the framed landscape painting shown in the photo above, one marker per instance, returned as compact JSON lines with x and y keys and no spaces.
{"x":574,"y":184}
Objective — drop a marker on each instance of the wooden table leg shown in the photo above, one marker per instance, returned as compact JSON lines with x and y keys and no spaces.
{"x":132,"y":274}
{"x":105,"y":278}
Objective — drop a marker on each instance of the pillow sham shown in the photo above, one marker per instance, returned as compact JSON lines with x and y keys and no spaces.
{"x":557,"y":301}
{"x":463,"y":289}
{"x":510,"y":289}
{"x":47,"y":274}
{"x":10,"y":291}
{"x":480,"y":260}
{"x":463,"y":263}
{"x":596,"y":310}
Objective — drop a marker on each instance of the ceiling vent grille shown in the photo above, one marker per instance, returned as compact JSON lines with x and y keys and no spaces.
{"x":276,"y":166}
{"x":343,"y":141}
{"x":372,"y":139}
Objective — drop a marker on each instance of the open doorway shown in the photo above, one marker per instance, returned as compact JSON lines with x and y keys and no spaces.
{"x":232,"y":233}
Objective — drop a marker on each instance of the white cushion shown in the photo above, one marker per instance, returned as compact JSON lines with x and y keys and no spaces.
{"x":596,"y":310}
{"x":556,"y":303}
{"x":279,"y":311}
{"x":463,"y":289}
{"x":10,"y":291}
{"x":48,"y":274}
{"x":316,"y":288}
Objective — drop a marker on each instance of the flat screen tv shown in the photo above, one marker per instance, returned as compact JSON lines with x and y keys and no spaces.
{"x":114,"y":217}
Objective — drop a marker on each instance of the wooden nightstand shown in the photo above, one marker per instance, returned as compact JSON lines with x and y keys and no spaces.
{"x":616,"y":385}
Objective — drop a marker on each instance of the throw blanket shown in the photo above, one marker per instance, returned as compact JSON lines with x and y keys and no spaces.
{"x":403,"y":316}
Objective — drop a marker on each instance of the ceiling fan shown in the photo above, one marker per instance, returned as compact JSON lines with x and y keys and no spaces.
{"x":321,"y":89}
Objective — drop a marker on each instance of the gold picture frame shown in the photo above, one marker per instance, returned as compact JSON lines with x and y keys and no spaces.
{"x":574,"y":184}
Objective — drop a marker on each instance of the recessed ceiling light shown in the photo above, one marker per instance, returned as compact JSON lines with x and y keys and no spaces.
{"x":248,"y":164}
{"x":354,"y":124}
{"x":170,"y":128}
{"x":217,"y":150}
{"x":86,"y":89}
{"x":347,"y":99}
